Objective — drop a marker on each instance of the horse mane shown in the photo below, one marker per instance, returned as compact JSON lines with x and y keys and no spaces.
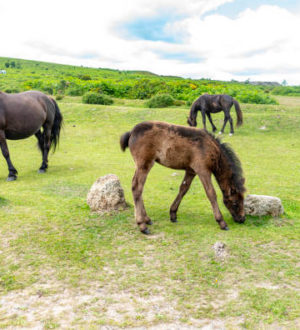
{"x":234,"y":164}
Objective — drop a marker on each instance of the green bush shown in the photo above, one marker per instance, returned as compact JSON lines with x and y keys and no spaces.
{"x":96,"y":98}
{"x":160,"y":101}
{"x":59,"y":97}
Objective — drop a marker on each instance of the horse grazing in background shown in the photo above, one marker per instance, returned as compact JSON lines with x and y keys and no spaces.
{"x":208,"y":104}
{"x":22,"y":115}
{"x":185,"y":148}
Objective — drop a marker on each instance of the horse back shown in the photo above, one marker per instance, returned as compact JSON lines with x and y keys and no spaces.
{"x":174,"y":146}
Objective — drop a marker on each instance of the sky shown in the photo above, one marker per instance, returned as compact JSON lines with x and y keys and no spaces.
{"x":216,"y":39}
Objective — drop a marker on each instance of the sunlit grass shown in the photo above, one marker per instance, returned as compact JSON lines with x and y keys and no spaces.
{"x":47,"y":231}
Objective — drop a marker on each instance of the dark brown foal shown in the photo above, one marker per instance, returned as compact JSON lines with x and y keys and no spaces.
{"x":190,"y":149}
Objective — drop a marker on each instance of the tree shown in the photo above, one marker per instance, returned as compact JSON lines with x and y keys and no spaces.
{"x":284,"y":83}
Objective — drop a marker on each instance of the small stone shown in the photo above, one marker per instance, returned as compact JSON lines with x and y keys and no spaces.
{"x":106,"y":195}
{"x":263,"y":127}
{"x":258,"y":205}
{"x":174,"y":174}
{"x":220,"y":250}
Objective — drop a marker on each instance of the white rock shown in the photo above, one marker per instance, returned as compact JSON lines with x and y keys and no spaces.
{"x":220,"y":250}
{"x":263,"y":205}
{"x":106,"y":195}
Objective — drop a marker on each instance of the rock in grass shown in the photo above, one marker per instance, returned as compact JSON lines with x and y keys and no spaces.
{"x":220,"y":249}
{"x":106,"y":195}
{"x":263,"y":205}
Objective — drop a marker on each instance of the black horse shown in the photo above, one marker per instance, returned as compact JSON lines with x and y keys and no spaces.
{"x":22,"y":115}
{"x":208,"y":104}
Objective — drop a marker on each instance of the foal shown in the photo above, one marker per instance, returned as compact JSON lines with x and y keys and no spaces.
{"x":190,"y":149}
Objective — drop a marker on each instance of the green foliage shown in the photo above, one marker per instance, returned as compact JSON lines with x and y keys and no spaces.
{"x":286,"y":90}
{"x":160,"y":101}
{"x":59,"y":97}
{"x":76,"y":81}
{"x":85,"y":77}
{"x":96,"y":98}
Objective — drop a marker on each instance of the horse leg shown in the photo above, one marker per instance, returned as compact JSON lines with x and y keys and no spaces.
{"x":184,"y":187}
{"x":46,"y":147}
{"x":205,"y":178}
{"x":203,"y":119}
{"x":225,"y":122}
{"x":138,"y":183}
{"x":12,"y":171}
{"x":231,"y":124}
{"x":40,"y":139}
{"x":214,"y":128}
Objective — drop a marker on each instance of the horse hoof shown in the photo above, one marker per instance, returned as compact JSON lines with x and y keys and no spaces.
{"x":225,"y":228}
{"x":11,"y":178}
{"x":174,"y":220}
{"x":146,"y":231}
{"x":41,"y":170}
{"x":149,"y":222}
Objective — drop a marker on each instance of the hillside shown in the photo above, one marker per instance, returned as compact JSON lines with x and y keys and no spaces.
{"x":58,"y":79}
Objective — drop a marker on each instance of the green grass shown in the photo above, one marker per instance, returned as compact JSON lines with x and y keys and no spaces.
{"x":53,"y":251}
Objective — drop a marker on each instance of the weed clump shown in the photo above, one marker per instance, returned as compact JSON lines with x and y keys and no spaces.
{"x":96,"y":98}
{"x":160,"y":101}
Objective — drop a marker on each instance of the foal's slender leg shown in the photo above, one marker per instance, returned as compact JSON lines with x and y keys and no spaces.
{"x":46,"y":148}
{"x":184,"y":187}
{"x":205,"y":178}
{"x":138,"y":183}
{"x":214,"y":128}
{"x":12,"y":171}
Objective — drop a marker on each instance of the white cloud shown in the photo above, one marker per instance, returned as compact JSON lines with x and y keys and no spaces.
{"x":262,"y":42}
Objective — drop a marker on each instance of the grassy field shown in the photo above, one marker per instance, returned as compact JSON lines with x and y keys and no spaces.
{"x":61,"y":266}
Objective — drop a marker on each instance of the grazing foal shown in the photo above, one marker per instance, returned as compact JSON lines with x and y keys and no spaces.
{"x":190,"y":149}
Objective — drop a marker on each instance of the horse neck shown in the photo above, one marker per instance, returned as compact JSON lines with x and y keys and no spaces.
{"x":223,"y":174}
{"x":194,"y":109}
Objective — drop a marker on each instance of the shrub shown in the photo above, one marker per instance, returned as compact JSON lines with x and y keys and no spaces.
{"x":75,"y":90}
{"x":59,"y":97}
{"x":178,"y":103}
{"x":96,"y":98}
{"x":84,"y":77}
{"x":160,"y":101}
{"x":12,"y":90}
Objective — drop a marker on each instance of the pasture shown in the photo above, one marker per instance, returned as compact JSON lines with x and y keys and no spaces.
{"x":61,"y":266}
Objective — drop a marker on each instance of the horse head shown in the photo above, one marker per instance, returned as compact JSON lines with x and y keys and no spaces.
{"x":234,"y":201}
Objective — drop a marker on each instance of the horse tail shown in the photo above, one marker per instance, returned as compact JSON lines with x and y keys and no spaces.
{"x":124,"y":139}
{"x":238,"y":113}
{"x":56,"y":127}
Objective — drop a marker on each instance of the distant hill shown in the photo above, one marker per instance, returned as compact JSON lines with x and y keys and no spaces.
{"x":62,"y":79}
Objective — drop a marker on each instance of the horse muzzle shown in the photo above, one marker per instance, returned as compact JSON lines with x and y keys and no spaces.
{"x":239,"y":219}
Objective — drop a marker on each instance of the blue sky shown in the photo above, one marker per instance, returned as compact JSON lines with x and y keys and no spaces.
{"x":218,"y":39}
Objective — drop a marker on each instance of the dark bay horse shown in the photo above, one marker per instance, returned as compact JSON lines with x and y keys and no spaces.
{"x":24,"y":114}
{"x":185,"y":148}
{"x":208,"y":104}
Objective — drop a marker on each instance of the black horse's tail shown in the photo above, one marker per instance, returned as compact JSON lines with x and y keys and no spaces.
{"x":124,"y":139}
{"x":57,"y":125}
{"x":238,"y":113}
